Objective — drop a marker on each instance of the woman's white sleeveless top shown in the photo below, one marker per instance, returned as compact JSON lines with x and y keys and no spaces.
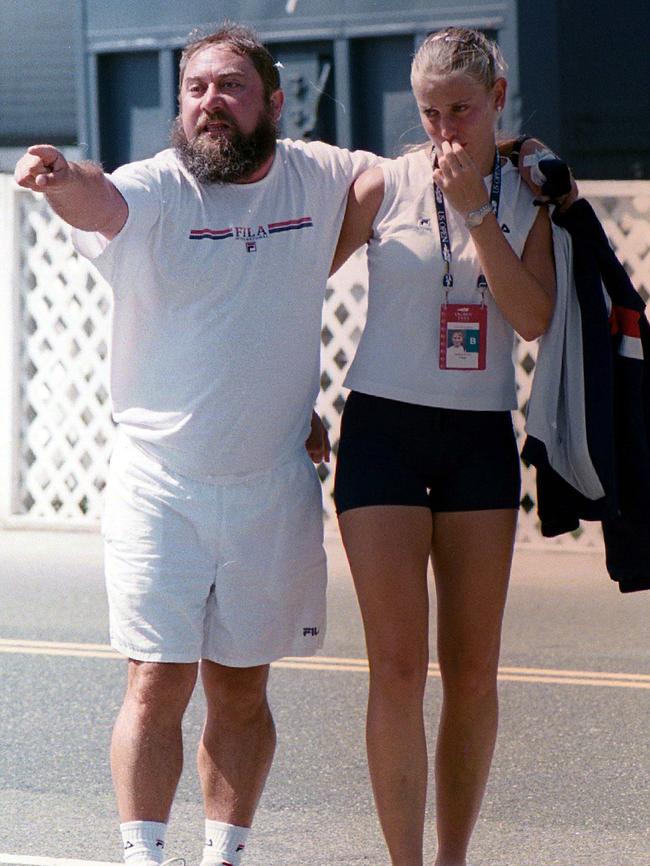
{"x":398,"y":355}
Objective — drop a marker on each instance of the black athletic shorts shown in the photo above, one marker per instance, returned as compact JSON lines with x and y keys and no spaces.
{"x":394,"y":453}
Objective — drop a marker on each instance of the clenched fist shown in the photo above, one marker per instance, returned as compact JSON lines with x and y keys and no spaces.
{"x":42,"y":168}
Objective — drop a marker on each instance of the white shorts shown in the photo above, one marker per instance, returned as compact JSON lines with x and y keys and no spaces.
{"x":232,"y":572}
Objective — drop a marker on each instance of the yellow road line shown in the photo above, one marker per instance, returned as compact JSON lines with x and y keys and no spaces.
{"x":59,"y":651}
{"x":50,"y":643}
{"x":433,"y":668}
{"x":513,"y":675}
{"x":576,"y":681}
{"x":552,"y":676}
{"x":54,"y":648}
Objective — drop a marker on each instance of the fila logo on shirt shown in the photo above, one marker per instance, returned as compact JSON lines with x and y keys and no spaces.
{"x":250,"y":235}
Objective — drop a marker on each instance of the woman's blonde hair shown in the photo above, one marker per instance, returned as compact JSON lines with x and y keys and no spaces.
{"x":459,"y":49}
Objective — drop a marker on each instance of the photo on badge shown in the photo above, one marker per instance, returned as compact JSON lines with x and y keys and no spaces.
{"x":462,"y":345}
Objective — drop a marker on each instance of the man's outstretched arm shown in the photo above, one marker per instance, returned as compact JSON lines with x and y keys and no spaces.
{"x":79,"y":192}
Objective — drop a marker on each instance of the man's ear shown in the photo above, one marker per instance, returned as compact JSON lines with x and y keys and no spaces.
{"x":277,"y":101}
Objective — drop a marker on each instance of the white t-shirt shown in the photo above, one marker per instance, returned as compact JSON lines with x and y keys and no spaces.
{"x":399,"y":353}
{"x":218,"y":292}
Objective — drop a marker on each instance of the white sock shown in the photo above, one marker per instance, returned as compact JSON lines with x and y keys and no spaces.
{"x":224,"y":844}
{"x":144,"y":842}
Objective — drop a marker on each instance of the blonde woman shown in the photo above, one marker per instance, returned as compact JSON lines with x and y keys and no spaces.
{"x":428,"y":465}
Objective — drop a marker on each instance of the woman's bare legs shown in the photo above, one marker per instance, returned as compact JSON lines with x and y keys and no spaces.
{"x":388,"y":549}
{"x":472,"y":554}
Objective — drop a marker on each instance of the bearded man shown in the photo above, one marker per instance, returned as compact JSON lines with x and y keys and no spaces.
{"x":217,"y":251}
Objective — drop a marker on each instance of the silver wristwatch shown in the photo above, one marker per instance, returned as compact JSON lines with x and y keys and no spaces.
{"x":475,"y":217}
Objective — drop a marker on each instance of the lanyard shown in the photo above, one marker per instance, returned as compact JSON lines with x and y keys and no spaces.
{"x":443,"y":227}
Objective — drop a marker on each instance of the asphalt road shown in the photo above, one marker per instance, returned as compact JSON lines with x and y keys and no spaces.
{"x":571,"y":777}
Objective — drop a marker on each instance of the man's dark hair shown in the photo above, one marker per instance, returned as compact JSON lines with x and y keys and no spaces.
{"x":242,"y":40}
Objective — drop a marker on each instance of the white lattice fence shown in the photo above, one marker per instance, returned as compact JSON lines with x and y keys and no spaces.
{"x":62,"y":424}
{"x":56,"y":417}
{"x":64,"y":394}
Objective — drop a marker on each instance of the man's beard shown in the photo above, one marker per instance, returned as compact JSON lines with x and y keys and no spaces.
{"x":225,"y":158}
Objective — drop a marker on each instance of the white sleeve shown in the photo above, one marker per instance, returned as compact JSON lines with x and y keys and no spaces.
{"x":344,"y":164}
{"x":139,"y":185}
{"x":363,"y":160}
